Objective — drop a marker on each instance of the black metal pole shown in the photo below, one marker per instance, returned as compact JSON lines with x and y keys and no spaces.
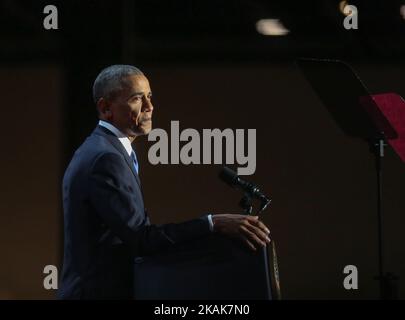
{"x":379,"y":154}
{"x":388,"y":282}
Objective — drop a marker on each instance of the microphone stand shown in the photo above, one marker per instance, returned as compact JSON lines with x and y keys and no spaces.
{"x":247,"y":205}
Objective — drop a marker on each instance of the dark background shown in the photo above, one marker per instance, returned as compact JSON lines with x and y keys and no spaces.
{"x":208,"y":68}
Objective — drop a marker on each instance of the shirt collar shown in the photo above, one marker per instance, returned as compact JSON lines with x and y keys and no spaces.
{"x":121,"y":136}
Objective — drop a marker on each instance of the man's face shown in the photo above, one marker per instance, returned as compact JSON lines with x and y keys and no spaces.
{"x":131,"y":109}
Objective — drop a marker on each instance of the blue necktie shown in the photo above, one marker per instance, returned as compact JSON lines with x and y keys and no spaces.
{"x":135,"y":161}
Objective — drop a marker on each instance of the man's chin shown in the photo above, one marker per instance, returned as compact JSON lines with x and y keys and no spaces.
{"x":142,"y":131}
{"x":148,"y":130}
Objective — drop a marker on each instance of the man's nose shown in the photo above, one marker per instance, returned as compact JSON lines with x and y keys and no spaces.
{"x":148,"y":105}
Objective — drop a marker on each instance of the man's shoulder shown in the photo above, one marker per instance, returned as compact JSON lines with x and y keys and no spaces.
{"x":93,"y":148}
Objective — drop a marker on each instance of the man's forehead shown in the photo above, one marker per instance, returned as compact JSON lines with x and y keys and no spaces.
{"x":139,"y":81}
{"x":137,"y":85}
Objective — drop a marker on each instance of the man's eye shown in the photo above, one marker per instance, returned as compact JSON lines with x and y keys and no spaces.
{"x":136,"y":98}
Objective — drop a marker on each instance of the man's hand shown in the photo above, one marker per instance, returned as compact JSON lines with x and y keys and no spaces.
{"x":246,"y":228}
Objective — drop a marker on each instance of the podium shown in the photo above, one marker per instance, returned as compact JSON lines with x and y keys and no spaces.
{"x":211,"y":268}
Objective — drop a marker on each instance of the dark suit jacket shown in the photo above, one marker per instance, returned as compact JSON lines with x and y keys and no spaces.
{"x":105,"y":223}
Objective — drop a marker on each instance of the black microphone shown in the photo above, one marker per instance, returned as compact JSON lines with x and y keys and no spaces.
{"x":231,"y":178}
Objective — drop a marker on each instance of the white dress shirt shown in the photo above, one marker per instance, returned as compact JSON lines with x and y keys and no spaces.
{"x":121,"y":137}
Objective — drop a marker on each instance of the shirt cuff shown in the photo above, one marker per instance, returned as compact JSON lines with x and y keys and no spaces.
{"x":210,"y":222}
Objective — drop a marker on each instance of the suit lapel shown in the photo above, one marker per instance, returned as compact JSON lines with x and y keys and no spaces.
{"x":117,"y":145}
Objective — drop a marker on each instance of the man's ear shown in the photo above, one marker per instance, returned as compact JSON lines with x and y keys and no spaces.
{"x":104,"y":108}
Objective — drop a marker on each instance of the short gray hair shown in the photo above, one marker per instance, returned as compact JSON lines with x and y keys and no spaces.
{"x":112,"y":79}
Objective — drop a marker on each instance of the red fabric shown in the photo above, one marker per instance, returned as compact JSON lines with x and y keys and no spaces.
{"x":392,"y":106}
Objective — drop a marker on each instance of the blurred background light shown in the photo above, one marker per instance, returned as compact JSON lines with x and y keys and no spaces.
{"x":271,"y":27}
{"x":342,"y":6}
{"x":402,"y":11}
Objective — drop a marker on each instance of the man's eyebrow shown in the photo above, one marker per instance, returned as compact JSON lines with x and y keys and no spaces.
{"x":136,"y":94}
{"x":141,"y":93}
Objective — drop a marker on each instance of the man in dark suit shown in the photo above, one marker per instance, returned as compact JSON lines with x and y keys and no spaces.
{"x":105,"y":222}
